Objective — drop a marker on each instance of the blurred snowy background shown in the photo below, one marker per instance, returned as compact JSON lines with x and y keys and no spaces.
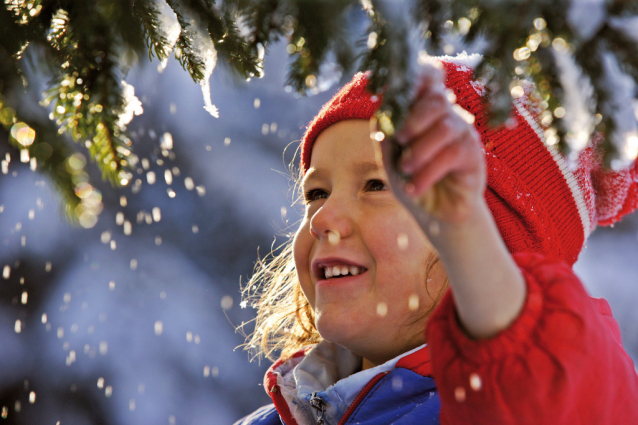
{"x":133,"y":321}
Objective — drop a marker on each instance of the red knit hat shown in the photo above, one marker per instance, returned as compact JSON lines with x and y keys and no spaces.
{"x":538,"y":202}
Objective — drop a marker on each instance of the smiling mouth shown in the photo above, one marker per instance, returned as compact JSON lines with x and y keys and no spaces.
{"x":335,"y":272}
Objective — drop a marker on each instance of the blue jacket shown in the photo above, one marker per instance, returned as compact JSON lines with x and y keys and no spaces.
{"x":403,"y":395}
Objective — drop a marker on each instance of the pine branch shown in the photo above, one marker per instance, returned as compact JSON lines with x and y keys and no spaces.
{"x":87,"y":99}
{"x":18,"y":28}
{"x":12,"y":35}
{"x":432,"y":15}
{"x":51,"y":156}
{"x":516,"y":48}
{"x":234,"y":48}
{"x":590,"y":60}
{"x":184,"y":50}
{"x":9,"y":72}
{"x":345,"y":54}
{"x":504,"y":37}
{"x":85,"y":51}
{"x":388,"y":62}
{"x":148,"y":17}
{"x":223,"y":32}
{"x":319,"y":25}
{"x":623,"y":47}
{"x":267,"y":21}
{"x":550,"y":91}
{"x":128,"y":35}
{"x":23,"y":12}
{"x":622,"y":8}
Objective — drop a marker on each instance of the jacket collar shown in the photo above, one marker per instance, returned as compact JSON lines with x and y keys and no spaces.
{"x":334,"y":373}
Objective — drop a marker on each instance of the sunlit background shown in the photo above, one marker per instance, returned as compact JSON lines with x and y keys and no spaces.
{"x":132,"y":321}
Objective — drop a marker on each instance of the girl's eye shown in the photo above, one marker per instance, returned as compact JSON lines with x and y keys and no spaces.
{"x":315,"y":194}
{"x":375,"y":185}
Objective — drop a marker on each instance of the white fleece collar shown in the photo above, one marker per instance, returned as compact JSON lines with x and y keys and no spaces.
{"x":334,"y":373}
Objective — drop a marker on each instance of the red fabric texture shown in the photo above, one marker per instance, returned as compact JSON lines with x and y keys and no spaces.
{"x":560,"y":362}
{"x":270,"y":379}
{"x":617,"y":193}
{"x":271,"y":387}
{"x":418,"y":362}
{"x":522,"y":177}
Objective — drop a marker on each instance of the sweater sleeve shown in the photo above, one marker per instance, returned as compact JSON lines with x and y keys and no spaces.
{"x":560,"y":362}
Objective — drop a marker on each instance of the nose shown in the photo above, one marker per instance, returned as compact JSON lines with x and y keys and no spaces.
{"x":332,"y":221}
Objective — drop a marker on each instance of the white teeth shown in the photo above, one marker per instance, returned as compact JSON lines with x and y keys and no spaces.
{"x":334,"y":271}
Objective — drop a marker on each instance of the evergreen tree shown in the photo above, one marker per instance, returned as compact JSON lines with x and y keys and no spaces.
{"x":84,"y":49}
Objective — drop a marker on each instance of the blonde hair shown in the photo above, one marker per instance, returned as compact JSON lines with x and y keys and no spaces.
{"x":285,"y":321}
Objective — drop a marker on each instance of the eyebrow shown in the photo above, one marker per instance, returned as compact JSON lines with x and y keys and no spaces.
{"x":364,"y":167}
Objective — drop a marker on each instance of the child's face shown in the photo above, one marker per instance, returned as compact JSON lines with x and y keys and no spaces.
{"x":353,"y":222}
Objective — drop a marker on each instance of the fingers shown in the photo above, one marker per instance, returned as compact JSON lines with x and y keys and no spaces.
{"x":430,"y":77}
{"x":461,"y":159}
{"x":446,"y":161}
{"x":430,"y":105}
{"x":432,"y":126}
{"x":429,"y":109}
{"x":437,"y":144}
{"x":429,"y":143}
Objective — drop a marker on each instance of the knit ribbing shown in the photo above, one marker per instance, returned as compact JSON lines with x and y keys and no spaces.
{"x":520,"y":168}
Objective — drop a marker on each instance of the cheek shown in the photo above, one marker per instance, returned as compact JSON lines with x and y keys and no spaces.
{"x":401,"y":252}
{"x":398,"y":241}
{"x":302,"y":244}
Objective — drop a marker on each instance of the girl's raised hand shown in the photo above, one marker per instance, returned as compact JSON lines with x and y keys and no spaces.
{"x":442,"y":156}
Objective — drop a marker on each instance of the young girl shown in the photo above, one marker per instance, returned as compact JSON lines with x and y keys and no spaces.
{"x":493,"y":219}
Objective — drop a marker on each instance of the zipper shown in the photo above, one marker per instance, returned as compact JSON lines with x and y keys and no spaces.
{"x":362,"y":394}
{"x":317,"y":403}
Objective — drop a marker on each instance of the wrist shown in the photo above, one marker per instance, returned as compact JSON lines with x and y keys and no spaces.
{"x":488,"y":287}
{"x":472,"y":227}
